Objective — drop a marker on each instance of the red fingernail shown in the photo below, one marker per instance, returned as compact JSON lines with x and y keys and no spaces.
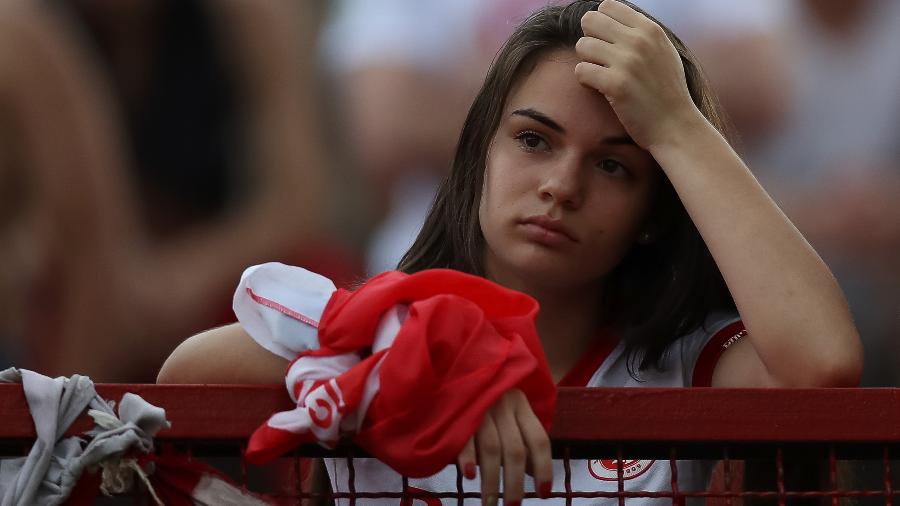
{"x":469,"y":470}
{"x":545,"y":489}
{"x":513,"y":503}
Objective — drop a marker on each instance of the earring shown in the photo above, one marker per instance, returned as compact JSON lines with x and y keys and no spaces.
{"x":645,"y":238}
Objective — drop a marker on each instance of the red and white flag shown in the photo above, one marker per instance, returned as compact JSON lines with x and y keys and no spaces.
{"x":178,"y":481}
{"x":407,"y":365}
{"x":170,"y":480}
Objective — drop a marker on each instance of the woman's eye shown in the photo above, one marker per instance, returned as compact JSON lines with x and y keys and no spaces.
{"x":612,"y":167}
{"x":531,"y":141}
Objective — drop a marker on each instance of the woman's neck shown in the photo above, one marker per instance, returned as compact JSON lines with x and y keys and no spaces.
{"x":567,"y":325}
{"x":569,"y":318}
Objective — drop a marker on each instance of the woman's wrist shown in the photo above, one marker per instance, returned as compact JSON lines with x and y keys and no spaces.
{"x":685,"y":132}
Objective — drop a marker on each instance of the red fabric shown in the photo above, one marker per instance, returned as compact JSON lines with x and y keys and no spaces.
{"x":466,"y":341}
{"x":86,"y":491}
{"x":174,"y":479}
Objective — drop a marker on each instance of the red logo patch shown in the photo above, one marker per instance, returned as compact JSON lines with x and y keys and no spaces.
{"x":608,"y":469}
{"x":325,"y":420}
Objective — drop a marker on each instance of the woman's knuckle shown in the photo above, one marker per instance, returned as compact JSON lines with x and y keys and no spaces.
{"x":490,"y":447}
{"x":541,"y":444}
{"x":631,"y":61}
{"x":640,"y":41}
{"x":516,"y":454}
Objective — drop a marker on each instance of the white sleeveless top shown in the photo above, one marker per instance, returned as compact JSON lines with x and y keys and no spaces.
{"x":689,"y":362}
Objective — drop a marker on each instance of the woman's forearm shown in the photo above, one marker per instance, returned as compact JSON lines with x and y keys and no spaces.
{"x":793,"y":308}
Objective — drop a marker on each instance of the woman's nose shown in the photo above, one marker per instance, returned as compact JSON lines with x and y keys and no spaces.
{"x":562,"y":185}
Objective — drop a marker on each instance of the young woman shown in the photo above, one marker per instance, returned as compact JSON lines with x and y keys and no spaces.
{"x":592,"y":173}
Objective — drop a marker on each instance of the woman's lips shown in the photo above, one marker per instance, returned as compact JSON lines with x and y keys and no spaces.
{"x":547,"y":231}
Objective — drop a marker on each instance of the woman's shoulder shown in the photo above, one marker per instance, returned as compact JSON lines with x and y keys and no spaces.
{"x":278,"y":307}
{"x":222,"y":355}
{"x":714,"y":324}
{"x":700,"y":349}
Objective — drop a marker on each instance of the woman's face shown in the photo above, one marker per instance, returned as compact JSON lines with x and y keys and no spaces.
{"x":566,"y":192}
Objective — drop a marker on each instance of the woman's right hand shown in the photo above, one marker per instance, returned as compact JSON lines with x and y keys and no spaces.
{"x":511,"y":437}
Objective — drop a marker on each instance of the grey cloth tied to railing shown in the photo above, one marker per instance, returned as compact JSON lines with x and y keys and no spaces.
{"x":53,"y":466}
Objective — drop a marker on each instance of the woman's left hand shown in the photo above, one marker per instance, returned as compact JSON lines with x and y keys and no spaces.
{"x":510,"y":440}
{"x":629,"y":59}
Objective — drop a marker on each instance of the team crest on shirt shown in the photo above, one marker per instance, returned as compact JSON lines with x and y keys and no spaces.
{"x":608,"y":469}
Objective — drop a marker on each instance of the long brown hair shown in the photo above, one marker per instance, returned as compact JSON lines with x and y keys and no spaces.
{"x":659,"y":291}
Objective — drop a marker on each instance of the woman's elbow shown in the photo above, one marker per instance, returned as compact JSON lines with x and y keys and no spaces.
{"x":840,"y":368}
{"x":846,"y":372}
{"x":847,"y":369}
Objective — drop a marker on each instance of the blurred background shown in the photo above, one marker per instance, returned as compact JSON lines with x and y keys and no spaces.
{"x":150,"y":150}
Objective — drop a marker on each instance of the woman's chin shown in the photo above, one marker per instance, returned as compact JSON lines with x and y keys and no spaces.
{"x":544,"y":274}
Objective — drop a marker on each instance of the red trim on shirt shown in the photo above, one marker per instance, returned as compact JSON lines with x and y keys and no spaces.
{"x":584,"y":369}
{"x":709,"y":357}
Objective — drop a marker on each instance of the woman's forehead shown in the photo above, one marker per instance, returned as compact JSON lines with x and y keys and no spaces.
{"x":552,"y":89}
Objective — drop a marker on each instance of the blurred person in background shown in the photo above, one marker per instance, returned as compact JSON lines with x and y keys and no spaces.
{"x":169,"y":145}
{"x":821,"y":124}
{"x":66,"y":226}
{"x":405,"y":73}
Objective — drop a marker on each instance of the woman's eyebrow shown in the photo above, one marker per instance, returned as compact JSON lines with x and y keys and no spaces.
{"x":617,"y":140}
{"x":540,"y":117}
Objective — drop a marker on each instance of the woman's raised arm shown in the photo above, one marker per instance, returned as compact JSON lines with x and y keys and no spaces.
{"x":800,"y":329}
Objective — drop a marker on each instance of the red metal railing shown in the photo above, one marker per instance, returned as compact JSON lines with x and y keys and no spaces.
{"x":772,"y":446}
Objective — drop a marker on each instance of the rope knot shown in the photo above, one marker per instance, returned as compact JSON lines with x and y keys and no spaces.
{"x":118,"y":477}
